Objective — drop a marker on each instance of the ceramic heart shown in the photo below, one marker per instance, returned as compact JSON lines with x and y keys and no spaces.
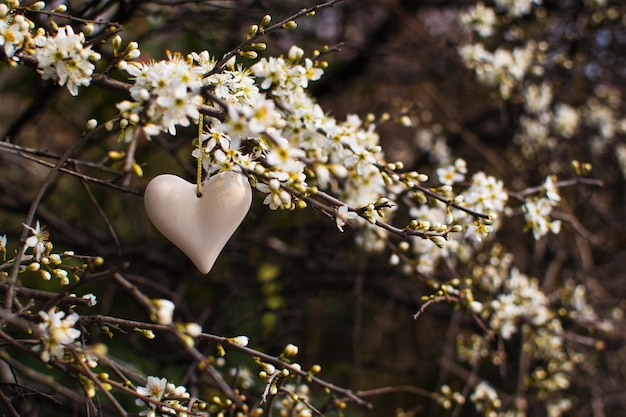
{"x":199,"y":226}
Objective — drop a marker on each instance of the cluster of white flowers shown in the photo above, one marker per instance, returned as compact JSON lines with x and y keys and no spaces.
{"x":15,"y":30}
{"x":545,"y":121}
{"x":602,"y":113}
{"x":486,"y":399}
{"x":502,"y":68}
{"x":64,"y":58}
{"x":537,"y":211}
{"x":516,"y":8}
{"x":166,"y":94}
{"x":452,"y":173}
{"x":537,"y":98}
{"x":566,"y":120}
{"x":290,"y":143}
{"x":479,"y":19}
{"x":283,"y":76}
{"x":56,"y":331}
{"x":521,"y":301}
{"x":517,"y":305}
{"x":486,"y":194}
{"x":174,"y":400}
{"x":537,"y":215}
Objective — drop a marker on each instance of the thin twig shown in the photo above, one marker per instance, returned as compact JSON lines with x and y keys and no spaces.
{"x":12,"y":279}
{"x":47,"y":296}
{"x":263,"y":31}
{"x":77,"y":174}
{"x":103,"y":215}
{"x":96,"y":381}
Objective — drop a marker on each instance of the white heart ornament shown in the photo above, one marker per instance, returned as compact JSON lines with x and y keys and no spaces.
{"x":199,"y":226}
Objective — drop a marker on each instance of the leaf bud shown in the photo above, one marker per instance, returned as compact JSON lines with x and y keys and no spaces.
{"x":295,"y":53}
{"x":253,"y":30}
{"x":116,"y":42}
{"x":290,"y":25}
{"x":40,"y":5}
{"x":134,"y":54}
{"x":137,"y":170}
{"x":406,"y":121}
{"x":440,"y":241}
{"x":240,"y":340}
{"x":290,"y":350}
{"x":91,"y":125}
{"x":266,"y":20}
{"x":249,"y":54}
{"x":88,"y":29}
{"x":193,"y":329}
{"x":269,"y":368}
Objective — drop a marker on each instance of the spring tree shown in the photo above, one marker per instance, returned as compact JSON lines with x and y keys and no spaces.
{"x":494,"y":237}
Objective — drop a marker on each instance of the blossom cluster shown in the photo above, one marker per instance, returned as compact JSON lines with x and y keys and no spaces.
{"x":15,"y":30}
{"x":516,"y":305}
{"x":64,"y":57}
{"x":501,"y":68}
{"x":162,"y":398}
{"x":165,"y":93}
{"x":261,"y":121}
{"x":39,"y":257}
{"x":56,"y":332}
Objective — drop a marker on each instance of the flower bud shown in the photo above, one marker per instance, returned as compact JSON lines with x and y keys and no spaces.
{"x":39,"y":5}
{"x":290,"y":350}
{"x":91,"y":124}
{"x":193,"y":329}
{"x":164,"y":313}
{"x":117,"y":42}
{"x":291,"y":25}
{"x":295,"y":53}
{"x":240,"y":340}
{"x":249,"y":54}
{"x":253,"y":30}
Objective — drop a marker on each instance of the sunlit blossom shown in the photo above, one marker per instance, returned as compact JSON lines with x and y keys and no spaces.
{"x":65,"y":59}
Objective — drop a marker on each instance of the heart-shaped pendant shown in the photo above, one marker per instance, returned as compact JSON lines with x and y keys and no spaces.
{"x":199,"y":226}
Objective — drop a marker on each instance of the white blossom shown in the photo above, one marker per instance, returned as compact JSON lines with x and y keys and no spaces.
{"x":56,"y":330}
{"x":65,"y":59}
{"x":164,"y":313}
